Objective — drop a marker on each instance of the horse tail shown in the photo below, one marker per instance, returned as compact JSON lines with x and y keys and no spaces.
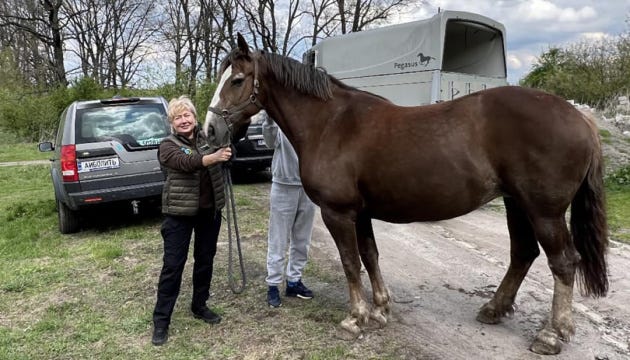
{"x":589,"y":227}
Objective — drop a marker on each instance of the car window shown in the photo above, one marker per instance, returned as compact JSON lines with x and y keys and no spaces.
{"x":134,"y":125}
{"x":62,"y":125}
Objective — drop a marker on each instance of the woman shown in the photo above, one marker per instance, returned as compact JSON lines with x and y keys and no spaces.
{"x":192,"y":198}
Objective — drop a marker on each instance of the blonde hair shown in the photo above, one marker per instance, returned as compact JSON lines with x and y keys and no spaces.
{"x":178,"y":105}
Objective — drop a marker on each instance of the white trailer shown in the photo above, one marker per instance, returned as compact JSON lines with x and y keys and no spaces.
{"x":449,"y":55}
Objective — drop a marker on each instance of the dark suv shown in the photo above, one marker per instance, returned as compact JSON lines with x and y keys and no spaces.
{"x":252,"y":154}
{"x":105,"y":152}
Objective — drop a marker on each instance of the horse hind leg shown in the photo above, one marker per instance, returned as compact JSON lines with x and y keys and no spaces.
{"x":342,"y":229}
{"x":523,"y":252}
{"x":369,"y":255}
{"x":554,"y":237}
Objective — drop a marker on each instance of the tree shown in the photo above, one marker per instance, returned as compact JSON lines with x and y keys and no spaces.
{"x":546,"y":68}
{"x":43,"y":21}
{"x":588,"y":72}
{"x":324,"y":18}
{"x":110,"y":41}
{"x":357,"y":15}
{"x":269,"y":26}
{"x":129,"y":40}
{"x":89,"y":31}
{"x":221,"y":20}
{"x":112,"y":37}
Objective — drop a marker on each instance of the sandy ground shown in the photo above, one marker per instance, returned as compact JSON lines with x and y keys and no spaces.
{"x":441,"y":273}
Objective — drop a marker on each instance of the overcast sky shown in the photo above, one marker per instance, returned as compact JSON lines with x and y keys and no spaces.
{"x":533,"y":26}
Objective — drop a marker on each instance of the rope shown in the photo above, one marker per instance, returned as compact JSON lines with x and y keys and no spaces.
{"x":231,"y":214}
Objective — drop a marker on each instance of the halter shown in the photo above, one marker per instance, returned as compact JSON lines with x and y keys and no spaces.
{"x":228,"y":114}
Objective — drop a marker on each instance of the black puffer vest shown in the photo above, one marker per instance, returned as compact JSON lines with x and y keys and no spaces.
{"x":181,"y":190}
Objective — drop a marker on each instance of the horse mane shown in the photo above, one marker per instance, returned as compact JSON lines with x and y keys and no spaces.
{"x":291,"y":73}
{"x":304,"y":78}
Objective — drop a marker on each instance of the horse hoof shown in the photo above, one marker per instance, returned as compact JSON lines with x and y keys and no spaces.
{"x":349,"y":330}
{"x":565,"y":329}
{"x":379,"y":317}
{"x":488,"y":315}
{"x":546,"y":343}
{"x":349,"y":324}
{"x":566,"y":333}
{"x":379,"y":320}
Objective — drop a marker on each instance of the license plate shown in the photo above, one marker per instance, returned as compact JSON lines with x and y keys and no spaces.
{"x":261,"y":142}
{"x":101,"y":164}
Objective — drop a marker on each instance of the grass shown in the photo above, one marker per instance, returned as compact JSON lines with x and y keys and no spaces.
{"x":605,"y":136}
{"x":11,"y":149}
{"x":619,"y":214}
{"x":75,"y":296}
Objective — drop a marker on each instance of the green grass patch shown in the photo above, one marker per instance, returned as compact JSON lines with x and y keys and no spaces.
{"x":106,"y":251}
{"x":618,"y":204}
{"x":619,"y":214}
{"x":619,"y":180}
{"x":28,"y":213}
{"x":75,"y":296}
{"x":21,"y":152}
{"x":605,"y":136}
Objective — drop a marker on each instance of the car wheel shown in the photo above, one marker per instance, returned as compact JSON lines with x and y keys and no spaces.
{"x":68,"y":219}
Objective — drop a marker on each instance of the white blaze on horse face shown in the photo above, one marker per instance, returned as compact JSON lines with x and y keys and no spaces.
{"x":210,"y":116}
{"x":217,"y":93}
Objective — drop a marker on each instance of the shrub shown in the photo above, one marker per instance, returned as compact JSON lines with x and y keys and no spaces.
{"x":619,"y":178}
{"x":30,"y":115}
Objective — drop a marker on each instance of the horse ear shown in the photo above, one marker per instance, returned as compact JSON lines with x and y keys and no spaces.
{"x":242,"y":44}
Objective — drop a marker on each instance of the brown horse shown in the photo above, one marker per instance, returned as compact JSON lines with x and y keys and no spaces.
{"x":362,"y":157}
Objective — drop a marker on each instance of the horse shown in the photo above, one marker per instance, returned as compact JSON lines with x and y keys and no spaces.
{"x":362,"y":158}
{"x":424,"y":60}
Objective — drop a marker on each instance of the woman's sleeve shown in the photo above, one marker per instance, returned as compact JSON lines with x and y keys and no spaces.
{"x":174,"y":157}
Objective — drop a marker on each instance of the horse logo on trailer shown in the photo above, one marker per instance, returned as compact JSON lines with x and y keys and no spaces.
{"x":424,"y":60}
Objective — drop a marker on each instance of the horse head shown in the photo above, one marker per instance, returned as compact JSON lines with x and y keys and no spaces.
{"x":236,"y":97}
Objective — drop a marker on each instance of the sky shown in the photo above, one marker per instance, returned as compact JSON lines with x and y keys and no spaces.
{"x":533,"y":26}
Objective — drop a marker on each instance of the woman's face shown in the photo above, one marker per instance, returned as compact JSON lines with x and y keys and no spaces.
{"x":184,"y":123}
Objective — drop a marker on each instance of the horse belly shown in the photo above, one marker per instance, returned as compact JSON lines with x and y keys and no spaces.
{"x":429,"y":203}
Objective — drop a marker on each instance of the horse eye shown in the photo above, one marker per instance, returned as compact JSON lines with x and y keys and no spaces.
{"x":237,"y":81}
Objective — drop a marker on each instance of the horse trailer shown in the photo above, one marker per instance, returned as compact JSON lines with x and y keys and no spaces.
{"x":449,"y":55}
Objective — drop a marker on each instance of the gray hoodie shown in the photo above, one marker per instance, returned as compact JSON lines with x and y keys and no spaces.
{"x":284,"y":166}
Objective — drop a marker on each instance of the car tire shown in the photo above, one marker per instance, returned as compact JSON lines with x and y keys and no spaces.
{"x":68,"y":219}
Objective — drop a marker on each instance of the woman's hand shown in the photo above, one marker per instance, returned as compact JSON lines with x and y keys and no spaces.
{"x":221,"y":155}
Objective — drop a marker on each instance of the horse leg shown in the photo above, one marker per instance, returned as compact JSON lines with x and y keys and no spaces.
{"x":554,"y":237}
{"x":523,"y":252}
{"x":369,"y":255}
{"x":342,"y":228}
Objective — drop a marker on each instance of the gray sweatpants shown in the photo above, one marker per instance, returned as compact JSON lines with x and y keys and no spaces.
{"x":290,"y":223}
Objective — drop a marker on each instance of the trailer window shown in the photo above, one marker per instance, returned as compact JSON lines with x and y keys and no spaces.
{"x":473,"y":48}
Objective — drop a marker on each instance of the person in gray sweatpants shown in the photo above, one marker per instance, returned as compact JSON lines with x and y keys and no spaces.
{"x":290,"y":219}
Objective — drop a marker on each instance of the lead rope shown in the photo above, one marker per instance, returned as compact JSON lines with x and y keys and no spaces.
{"x":227,"y":178}
{"x":231,"y":214}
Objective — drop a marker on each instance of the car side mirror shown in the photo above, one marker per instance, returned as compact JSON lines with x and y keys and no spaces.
{"x":45,"y":146}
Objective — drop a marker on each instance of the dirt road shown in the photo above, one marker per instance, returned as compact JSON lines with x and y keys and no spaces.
{"x":441,"y":273}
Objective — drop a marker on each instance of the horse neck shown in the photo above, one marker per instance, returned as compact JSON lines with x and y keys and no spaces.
{"x":298,"y":115}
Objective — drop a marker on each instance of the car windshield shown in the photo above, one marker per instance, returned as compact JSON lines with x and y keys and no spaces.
{"x":133,"y":125}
